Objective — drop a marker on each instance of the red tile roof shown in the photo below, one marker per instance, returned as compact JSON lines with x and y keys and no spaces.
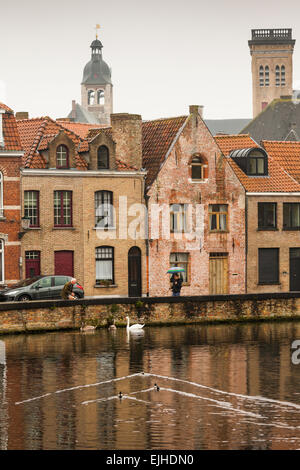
{"x":6,"y":108}
{"x":286,"y":154}
{"x":227,"y":143}
{"x":36,"y":134}
{"x":79,"y":128}
{"x":158,"y":136}
{"x":10,"y":131}
{"x":278,"y":180}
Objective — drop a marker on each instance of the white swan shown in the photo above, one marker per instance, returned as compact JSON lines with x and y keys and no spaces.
{"x":135,"y":327}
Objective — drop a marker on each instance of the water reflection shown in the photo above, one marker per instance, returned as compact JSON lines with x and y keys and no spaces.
{"x":220,"y":387}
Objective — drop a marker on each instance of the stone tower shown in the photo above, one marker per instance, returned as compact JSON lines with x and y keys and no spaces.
{"x":96,"y":86}
{"x":272,"y":66}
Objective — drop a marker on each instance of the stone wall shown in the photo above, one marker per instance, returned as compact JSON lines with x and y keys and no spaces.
{"x":64,"y":314}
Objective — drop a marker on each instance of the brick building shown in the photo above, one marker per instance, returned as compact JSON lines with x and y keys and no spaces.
{"x":10,"y":208}
{"x":187,"y":175}
{"x":270,"y":178}
{"x":272,"y":66}
{"x":76,"y":182}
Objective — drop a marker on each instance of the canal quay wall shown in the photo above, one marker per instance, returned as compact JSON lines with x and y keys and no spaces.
{"x":48,"y":315}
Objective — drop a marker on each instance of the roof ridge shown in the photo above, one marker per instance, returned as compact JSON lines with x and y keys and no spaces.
{"x":232,"y":135}
{"x":282,"y":141}
{"x":165,"y":118}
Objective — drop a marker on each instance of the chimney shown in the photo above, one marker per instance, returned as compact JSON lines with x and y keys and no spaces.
{"x":196,"y":109}
{"x":127,"y":134}
{"x":22,"y":115}
{"x":73,"y":114}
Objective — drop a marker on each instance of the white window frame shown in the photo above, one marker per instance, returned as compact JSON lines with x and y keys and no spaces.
{"x":1,"y":128}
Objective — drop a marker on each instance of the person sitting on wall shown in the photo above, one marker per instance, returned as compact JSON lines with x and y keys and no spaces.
{"x":67,"y":291}
{"x":176,"y":284}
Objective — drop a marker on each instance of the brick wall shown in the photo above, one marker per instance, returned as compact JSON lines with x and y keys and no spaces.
{"x":127,"y":133}
{"x":279,"y":238}
{"x":56,"y":315}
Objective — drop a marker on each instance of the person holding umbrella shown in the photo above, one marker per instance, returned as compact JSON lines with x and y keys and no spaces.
{"x":176,"y":280}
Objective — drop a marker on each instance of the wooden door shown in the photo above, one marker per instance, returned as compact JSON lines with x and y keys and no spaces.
{"x":63,"y":263}
{"x":32,"y":264}
{"x":294,"y":269}
{"x":218,"y":273}
{"x":134,"y":272}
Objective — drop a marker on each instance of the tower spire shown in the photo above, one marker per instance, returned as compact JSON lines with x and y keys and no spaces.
{"x":96,"y":28}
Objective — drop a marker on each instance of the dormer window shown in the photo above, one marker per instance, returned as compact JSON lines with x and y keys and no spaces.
{"x":103,"y":158}
{"x":253,"y":161}
{"x":62,"y":157}
{"x":256,"y":166}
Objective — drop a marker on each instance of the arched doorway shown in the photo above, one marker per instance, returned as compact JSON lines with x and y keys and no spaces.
{"x":134,"y":272}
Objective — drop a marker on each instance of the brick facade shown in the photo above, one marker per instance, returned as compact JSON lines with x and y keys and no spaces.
{"x":173,"y":185}
{"x":10,"y":217}
{"x":272,"y":48}
{"x":83,"y":180}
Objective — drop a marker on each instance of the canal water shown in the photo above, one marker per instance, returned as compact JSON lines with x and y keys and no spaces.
{"x":220,"y":387}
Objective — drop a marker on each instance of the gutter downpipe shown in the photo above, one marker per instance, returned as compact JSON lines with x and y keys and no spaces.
{"x":246,"y":240}
{"x":147,"y":244}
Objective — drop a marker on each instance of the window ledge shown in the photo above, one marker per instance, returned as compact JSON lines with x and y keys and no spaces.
{"x":34,"y":228}
{"x":269,"y":283}
{"x":190,"y":180}
{"x":219,"y":231}
{"x":267,"y":229}
{"x":292,"y":229}
{"x":63,"y":228}
{"x":105,"y":287}
{"x":105,"y":228}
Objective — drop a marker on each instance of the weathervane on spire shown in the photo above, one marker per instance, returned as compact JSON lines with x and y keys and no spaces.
{"x":97,"y":27}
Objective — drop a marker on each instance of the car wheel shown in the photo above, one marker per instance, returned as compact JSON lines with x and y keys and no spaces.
{"x":24,"y":298}
{"x":77,"y":297}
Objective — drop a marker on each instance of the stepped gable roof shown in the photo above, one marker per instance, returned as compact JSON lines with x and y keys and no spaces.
{"x":37,"y":133}
{"x":11,"y":137}
{"x":277,"y":180}
{"x":158,"y":136}
{"x":286,"y":154}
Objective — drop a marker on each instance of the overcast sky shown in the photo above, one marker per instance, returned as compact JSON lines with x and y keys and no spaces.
{"x":164,"y":54}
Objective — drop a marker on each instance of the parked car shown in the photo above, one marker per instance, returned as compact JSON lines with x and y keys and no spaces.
{"x":39,"y":288}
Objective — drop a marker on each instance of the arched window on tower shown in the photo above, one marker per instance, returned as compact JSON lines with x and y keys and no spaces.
{"x":100,"y":97}
{"x":103,"y":158}
{"x":91,"y":97}
{"x":282,"y":75}
{"x":277,"y":75}
{"x":267,"y":75}
{"x":261,"y":76}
